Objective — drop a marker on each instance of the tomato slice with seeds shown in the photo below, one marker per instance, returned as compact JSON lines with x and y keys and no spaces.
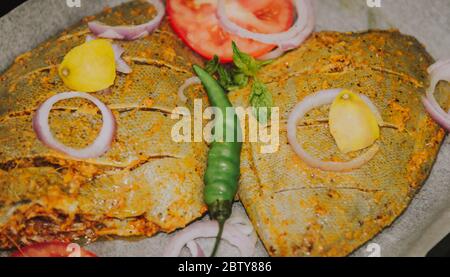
{"x":53,"y":249}
{"x":196,"y":24}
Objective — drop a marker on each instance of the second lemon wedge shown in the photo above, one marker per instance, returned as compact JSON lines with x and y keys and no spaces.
{"x":352,"y":123}
{"x":89,"y":67}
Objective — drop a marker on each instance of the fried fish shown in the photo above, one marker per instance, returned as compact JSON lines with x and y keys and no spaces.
{"x":301,"y":211}
{"x":146,"y":183}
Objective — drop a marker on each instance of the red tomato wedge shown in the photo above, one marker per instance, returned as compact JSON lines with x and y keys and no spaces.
{"x":53,"y":249}
{"x":196,"y":24}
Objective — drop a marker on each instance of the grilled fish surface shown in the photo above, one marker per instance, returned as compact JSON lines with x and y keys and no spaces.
{"x":146,"y":183}
{"x":301,"y":211}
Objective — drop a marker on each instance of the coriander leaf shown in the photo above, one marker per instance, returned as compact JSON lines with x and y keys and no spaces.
{"x":246,"y":63}
{"x":231,"y":78}
{"x":212,"y":66}
{"x":240,"y":79}
{"x":261,"y":98}
{"x":225,"y":78}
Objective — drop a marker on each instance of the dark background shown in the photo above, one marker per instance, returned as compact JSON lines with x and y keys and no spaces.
{"x":441,"y":249}
{"x":8,"y":5}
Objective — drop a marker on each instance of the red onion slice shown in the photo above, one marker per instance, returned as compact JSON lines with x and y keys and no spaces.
{"x":305,"y":33}
{"x":90,"y":38}
{"x":235,"y":232}
{"x":121,"y":64}
{"x":101,"y":144}
{"x":317,"y":100}
{"x":130,"y":32}
{"x":195,"y":249}
{"x":287,"y":40}
{"x":439,"y":65}
{"x":440,"y":71}
{"x":295,"y":42}
{"x":278,"y":52}
{"x":435,"y":113}
{"x":189,"y":82}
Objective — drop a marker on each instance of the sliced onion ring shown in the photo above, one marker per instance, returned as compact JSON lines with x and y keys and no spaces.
{"x":297,"y":40}
{"x":276,"y":53}
{"x":439,"y":65}
{"x":195,"y":249}
{"x":189,"y":82}
{"x":129,"y":32}
{"x":287,"y":40}
{"x":435,"y":113}
{"x":316,"y":100}
{"x":235,"y":232}
{"x":101,"y":144}
{"x":90,"y":38}
{"x":121,"y":64}
{"x":440,"y":71}
{"x":279,"y":51}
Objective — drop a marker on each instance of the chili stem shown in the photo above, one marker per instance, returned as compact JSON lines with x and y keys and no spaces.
{"x":218,"y":239}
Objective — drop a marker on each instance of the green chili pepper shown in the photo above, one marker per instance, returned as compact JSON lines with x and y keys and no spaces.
{"x":223,"y":169}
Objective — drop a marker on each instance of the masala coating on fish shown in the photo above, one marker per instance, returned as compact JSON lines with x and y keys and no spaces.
{"x":301,"y":211}
{"x":144,"y":184}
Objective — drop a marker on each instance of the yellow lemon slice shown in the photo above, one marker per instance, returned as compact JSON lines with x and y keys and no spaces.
{"x":89,"y":67}
{"x":352,"y":123}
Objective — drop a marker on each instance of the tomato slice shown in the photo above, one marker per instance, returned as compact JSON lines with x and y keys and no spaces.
{"x":53,"y":249}
{"x":196,"y":24}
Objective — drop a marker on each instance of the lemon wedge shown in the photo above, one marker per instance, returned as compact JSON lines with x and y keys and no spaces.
{"x":353,"y":124}
{"x":89,"y":67}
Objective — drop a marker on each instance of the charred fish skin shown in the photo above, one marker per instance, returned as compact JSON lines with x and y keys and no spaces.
{"x":145,"y":184}
{"x":300,"y":211}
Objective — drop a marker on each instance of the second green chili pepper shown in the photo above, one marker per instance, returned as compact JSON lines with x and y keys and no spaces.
{"x":223,"y":169}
